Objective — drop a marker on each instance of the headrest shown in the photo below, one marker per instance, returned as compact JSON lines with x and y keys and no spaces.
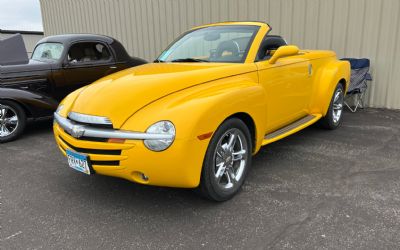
{"x":76,"y":53}
{"x":230,"y":46}
{"x":270,"y":43}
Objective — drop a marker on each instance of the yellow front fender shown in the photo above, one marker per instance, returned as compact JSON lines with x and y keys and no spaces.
{"x":197,"y":111}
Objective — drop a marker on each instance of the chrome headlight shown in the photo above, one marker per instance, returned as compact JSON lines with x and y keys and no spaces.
{"x":60,"y":107}
{"x":58,"y":110}
{"x":161,"y":127}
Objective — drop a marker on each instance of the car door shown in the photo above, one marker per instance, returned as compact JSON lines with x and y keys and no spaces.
{"x":85,"y":63}
{"x":288,"y":87}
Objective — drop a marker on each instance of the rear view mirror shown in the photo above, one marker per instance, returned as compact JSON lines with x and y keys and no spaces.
{"x":212,"y":36}
{"x":288,"y":50}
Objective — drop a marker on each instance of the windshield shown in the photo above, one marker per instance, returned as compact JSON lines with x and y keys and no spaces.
{"x":48,"y":52}
{"x":225,"y":43}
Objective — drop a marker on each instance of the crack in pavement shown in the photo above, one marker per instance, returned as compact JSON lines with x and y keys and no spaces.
{"x":12,"y":236}
{"x":291,"y":226}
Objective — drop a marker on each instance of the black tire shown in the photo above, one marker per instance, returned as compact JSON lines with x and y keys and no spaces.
{"x":212,"y":187}
{"x":330,"y":120}
{"x":15,"y":132}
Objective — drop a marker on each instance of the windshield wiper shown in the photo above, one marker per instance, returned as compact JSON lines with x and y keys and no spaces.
{"x":158,"y":61}
{"x":189,"y":59}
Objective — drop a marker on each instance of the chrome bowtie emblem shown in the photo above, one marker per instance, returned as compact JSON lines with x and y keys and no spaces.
{"x":77,"y":131}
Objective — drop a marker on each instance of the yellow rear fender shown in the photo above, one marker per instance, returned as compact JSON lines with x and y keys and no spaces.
{"x":327,"y":77}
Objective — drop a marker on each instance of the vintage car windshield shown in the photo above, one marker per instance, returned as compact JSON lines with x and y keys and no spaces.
{"x":225,"y":43}
{"x":48,"y":52}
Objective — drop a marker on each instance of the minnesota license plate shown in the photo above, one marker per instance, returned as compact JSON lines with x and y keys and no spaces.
{"x":79,"y":162}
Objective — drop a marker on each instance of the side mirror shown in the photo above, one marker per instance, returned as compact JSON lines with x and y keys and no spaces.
{"x":288,"y":50}
{"x":67,"y":64}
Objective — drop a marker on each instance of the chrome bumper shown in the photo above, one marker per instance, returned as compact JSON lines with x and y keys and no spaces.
{"x":78,"y":130}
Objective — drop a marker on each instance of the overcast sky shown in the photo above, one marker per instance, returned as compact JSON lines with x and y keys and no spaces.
{"x":20,"y":15}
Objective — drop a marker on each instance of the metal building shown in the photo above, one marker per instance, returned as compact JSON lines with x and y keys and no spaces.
{"x":352,"y":28}
{"x":30,"y":38}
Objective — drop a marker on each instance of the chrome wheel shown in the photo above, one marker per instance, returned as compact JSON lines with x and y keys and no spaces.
{"x":337,"y":105}
{"x":8,"y":120}
{"x":230,"y":158}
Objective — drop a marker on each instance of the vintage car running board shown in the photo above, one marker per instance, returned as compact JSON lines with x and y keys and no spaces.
{"x":291,"y":128}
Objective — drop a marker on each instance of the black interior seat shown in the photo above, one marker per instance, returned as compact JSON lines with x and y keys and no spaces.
{"x":270,"y":43}
{"x":105,"y":55}
{"x":228,"y":46}
{"x":90,"y":54}
{"x":243,"y":42}
{"x":75,"y":53}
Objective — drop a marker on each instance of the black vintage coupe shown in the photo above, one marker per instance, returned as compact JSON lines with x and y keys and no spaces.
{"x":59,"y":65}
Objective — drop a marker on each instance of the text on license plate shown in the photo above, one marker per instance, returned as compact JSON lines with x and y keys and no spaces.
{"x":77,"y":161}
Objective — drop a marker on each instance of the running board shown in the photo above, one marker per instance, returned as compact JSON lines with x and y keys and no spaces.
{"x":291,"y":128}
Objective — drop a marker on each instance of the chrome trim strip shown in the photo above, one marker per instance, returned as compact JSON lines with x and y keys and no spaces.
{"x":77,"y":130}
{"x":289,"y":127}
{"x":91,"y":119}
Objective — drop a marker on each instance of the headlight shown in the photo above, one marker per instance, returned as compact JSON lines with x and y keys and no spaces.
{"x":161,"y":127}
{"x":60,"y":107}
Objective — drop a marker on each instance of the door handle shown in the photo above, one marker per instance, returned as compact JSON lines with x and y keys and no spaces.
{"x":113,"y":67}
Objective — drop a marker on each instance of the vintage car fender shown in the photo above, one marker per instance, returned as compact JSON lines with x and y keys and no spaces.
{"x":327,"y":78}
{"x":36,"y":105}
{"x":240,"y":95}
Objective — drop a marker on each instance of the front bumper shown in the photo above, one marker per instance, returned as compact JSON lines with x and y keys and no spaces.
{"x":178,"y":166}
{"x":78,"y":130}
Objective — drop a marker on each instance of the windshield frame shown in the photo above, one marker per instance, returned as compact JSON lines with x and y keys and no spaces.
{"x":256,"y":31}
{"x":49,"y":60}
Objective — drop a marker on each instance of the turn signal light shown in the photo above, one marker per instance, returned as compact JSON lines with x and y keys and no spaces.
{"x":205,"y":136}
{"x":115,"y":140}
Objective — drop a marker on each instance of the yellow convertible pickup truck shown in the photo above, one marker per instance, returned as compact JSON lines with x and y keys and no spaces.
{"x":195,"y":117}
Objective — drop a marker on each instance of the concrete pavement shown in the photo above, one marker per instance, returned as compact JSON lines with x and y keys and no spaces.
{"x":317,"y":189}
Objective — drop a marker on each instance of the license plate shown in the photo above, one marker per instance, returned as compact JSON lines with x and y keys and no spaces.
{"x":79,"y":162}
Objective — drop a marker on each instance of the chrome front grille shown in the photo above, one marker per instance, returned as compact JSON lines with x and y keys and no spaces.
{"x":92,"y":151}
{"x":82,"y":130}
{"x":89,"y":119}
{"x":108,"y":152}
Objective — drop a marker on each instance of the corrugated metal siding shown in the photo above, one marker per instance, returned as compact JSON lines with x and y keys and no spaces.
{"x":29,"y":40}
{"x":356,"y":28}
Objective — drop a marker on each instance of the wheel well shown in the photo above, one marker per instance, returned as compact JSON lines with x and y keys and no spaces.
{"x":248,"y":120}
{"x":24,"y":108}
{"x":343,"y":82}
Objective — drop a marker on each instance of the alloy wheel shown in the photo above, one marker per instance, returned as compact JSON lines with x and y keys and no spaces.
{"x":337,"y":105}
{"x":230,"y":158}
{"x":8,"y":120}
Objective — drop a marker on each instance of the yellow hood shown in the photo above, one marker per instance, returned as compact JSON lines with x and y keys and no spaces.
{"x":120,"y":95}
